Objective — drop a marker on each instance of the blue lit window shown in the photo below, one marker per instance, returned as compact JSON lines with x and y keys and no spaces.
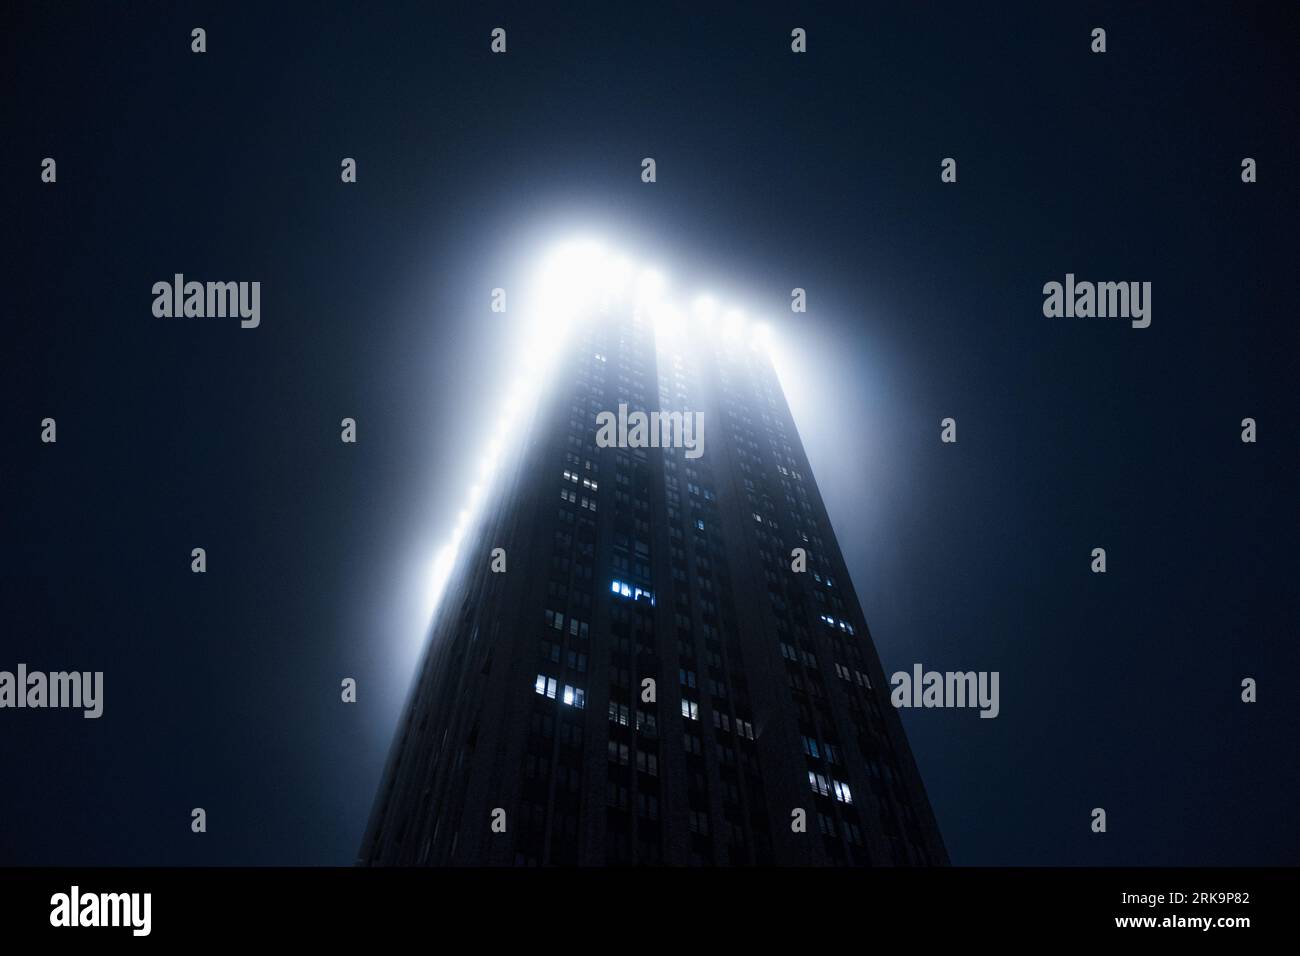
{"x":623,"y":589}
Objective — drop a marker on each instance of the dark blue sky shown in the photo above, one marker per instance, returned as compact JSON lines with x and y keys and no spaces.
{"x":774,"y":171}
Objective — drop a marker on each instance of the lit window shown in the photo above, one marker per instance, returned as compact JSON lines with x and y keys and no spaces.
{"x":545,"y":686}
{"x":574,"y":697}
{"x":623,"y":589}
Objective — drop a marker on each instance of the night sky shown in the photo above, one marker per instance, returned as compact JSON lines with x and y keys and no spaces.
{"x":775,"y":170}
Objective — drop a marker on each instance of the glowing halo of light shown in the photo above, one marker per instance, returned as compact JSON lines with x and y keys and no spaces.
{"x":575,"y":279}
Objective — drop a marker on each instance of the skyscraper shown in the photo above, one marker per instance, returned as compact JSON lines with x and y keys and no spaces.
{"x":651,"y":655}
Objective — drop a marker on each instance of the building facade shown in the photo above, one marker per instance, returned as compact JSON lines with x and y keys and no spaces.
{"x":652,"y":655}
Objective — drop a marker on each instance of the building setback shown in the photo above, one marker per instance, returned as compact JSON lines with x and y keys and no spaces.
{"x":529,"y":738}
